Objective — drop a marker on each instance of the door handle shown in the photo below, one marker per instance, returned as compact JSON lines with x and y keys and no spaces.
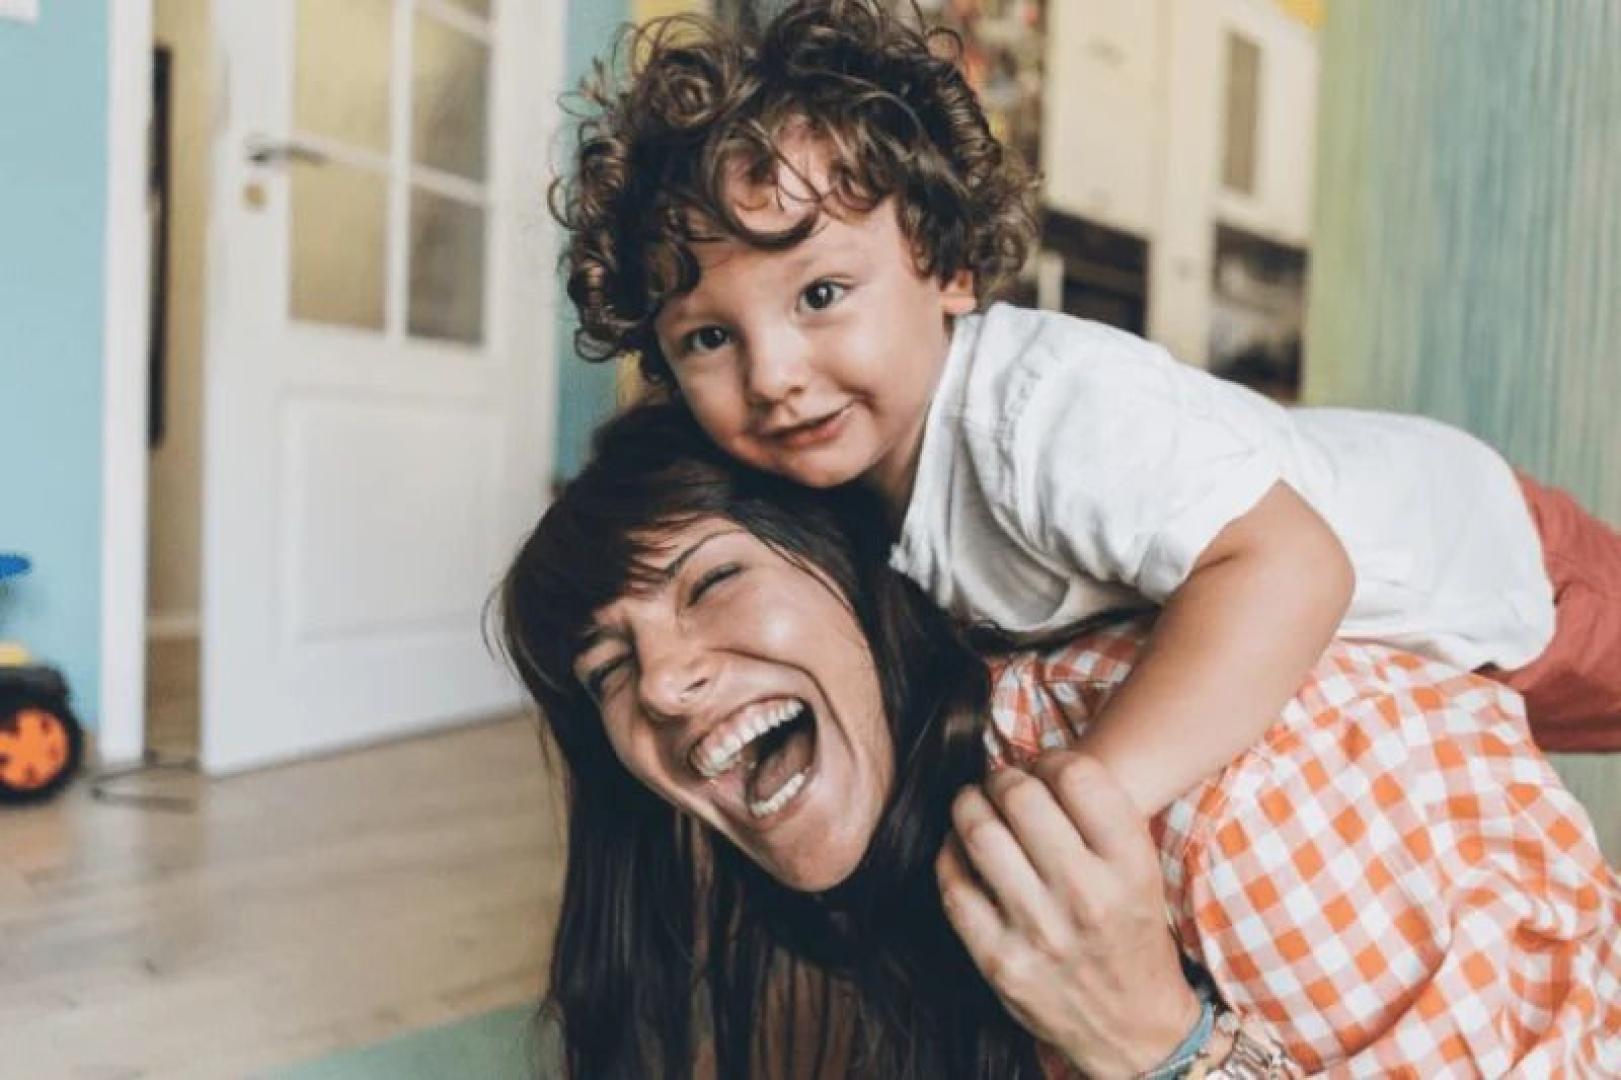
{"x":266,"y":152}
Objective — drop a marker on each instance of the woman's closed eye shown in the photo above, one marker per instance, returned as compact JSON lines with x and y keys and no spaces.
{"x":596,"y":678}
{"x":712,"y":577}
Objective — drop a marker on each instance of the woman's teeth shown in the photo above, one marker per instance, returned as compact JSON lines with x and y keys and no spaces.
{"x":720,"y":753}
{"x":768,"y":806}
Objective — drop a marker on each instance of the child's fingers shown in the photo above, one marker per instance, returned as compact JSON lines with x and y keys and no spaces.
{"x":969,"y":910}
{"x":996,"y":855}
{"x":1109,"y":822}
{"x":1042,"y":827}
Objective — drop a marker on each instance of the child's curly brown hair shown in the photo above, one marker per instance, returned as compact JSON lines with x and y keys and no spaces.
{"x":687,"y":105}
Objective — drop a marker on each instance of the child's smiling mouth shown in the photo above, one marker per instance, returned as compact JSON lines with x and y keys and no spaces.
{"x":811,"y":433}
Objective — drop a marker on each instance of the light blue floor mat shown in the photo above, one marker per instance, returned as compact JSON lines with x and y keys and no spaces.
{"x":506,"y":1044}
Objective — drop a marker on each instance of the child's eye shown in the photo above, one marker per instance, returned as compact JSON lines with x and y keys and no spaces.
{"x":822,"y":294}
{"x":704,"y":339}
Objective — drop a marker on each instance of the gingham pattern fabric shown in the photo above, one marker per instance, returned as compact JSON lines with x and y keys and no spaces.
{"x":1393,"y":881}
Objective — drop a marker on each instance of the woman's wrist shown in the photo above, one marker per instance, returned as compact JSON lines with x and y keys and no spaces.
{"x":1175,"y":1064}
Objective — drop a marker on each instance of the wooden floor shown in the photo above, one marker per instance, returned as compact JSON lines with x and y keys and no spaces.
{"x":289,"y":913}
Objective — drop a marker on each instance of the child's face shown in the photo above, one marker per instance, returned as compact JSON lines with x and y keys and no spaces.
{"x":817,"y":362}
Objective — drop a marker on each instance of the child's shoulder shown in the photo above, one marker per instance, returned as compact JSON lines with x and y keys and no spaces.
{"x":1007,"y":334}
{"x":1009,"y":357}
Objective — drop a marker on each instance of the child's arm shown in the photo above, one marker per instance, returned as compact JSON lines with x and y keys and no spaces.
{"x":1229,"y":649}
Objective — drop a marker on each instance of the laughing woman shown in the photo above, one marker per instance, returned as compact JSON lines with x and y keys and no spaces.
{"x":812,"y":834}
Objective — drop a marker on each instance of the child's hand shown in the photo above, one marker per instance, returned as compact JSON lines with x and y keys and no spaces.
{"x":1053,"y":883}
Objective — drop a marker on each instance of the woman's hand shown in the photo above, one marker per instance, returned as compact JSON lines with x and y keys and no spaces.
{"x":1052,"y":882}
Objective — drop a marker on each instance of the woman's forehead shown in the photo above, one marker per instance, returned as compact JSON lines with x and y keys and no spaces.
{"x":656,"y":554}
{"x":661,"y":546}
{"x":682,"y":545}
{"x":662,"y":552}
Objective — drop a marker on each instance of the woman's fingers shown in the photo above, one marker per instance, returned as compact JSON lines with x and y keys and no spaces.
{"x":969,"y":910}
{"x":1042,"y":827}
{"x":1108,"y":821}
{"x":1066,"y":917}
{"x":996,"y":854}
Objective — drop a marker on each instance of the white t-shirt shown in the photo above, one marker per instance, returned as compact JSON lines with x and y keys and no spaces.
{"x":1068,"y":468}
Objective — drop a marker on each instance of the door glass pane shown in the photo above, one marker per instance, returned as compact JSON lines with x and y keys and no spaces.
{"x":1243,"y":106}
{"x":340,"y":79}
{"x":447,"y":269}
{"x":449,"y":88}
{"x":339,"y":215}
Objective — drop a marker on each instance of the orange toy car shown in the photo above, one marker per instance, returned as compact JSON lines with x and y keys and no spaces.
{"x":41,"y":743}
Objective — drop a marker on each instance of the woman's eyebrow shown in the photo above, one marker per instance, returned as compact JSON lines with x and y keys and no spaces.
{"x":664,"y":576}
{"x":675,"y":565}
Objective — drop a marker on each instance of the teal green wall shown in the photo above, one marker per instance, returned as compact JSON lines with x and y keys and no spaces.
{"x":1466,"y":254}
{"x":585,"y":392}
{"x":53,"y":170}
{"x":1466,"y":258}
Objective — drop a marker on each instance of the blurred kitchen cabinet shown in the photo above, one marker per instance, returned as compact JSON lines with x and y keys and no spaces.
{"x":1267,"y":66}
{"x":1167,"y":119}
{"x":1121,"y":36}
{"x":1101,"y":112}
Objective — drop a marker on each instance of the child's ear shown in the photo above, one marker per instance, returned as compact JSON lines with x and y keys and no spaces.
{"x":957,"y":293}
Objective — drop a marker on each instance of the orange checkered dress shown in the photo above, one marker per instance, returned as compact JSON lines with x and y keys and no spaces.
{"x":1393,"y":881}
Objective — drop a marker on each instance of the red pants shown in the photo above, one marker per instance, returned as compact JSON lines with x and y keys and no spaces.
{"x":1573,"y":690}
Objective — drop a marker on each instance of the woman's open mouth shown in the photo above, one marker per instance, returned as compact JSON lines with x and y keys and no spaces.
{"x":766,"y":756}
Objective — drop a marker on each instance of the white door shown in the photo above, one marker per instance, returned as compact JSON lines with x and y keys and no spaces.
{"x":379,"y":404}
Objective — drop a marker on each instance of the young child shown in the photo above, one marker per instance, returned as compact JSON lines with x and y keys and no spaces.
{"x":793,"y":232}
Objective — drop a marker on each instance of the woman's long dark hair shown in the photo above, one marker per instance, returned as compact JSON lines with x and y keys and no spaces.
{"x":672,"y":948}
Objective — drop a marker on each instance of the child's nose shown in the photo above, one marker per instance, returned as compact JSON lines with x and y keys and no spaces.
{"x":778,"y":367}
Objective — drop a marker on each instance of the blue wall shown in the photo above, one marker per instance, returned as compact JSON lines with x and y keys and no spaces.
{"x":585,"y":392}
{"x":53,"y":170}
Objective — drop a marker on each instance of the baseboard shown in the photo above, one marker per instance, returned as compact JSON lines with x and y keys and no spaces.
{"x":169,"y":625}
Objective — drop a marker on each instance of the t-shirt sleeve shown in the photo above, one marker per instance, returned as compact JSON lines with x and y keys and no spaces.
{"x":1129,"y":463}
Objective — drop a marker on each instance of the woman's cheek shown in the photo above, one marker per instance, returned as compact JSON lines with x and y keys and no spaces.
{"x":635,"y":748}
{"x":777,"y":629}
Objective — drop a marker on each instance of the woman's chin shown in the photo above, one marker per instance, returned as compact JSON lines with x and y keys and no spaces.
{"x":820,"y":849}
{"x":818,"y":874}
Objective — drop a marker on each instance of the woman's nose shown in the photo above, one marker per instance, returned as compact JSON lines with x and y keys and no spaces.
{"x":674,"y":675}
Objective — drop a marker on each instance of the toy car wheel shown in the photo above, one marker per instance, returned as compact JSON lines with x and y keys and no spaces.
{"x":39,"y":752}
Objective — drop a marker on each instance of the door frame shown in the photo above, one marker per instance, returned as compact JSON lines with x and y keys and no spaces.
{"x":120,"y":737}
{"x":121,"y":731}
